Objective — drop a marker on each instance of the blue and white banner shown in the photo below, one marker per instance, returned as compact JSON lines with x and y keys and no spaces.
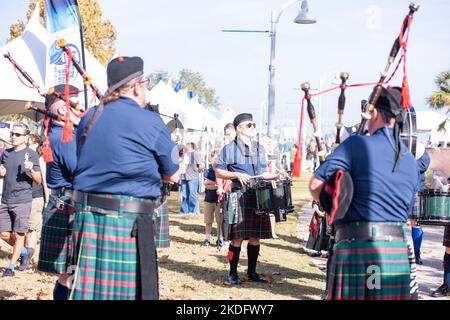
{"x":64,"y":22}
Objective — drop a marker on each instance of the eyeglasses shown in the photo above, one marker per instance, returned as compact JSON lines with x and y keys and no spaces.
{"x":145,"y":81}
{"x":16,"y":134}
{"x":251,"y":125}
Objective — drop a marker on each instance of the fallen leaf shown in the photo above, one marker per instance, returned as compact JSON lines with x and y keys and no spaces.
{"x":189,"y":287}
{"x":164,"y":259}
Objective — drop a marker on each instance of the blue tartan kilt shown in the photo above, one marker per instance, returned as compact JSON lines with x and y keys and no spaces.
{"x":250,"y":225}
{"x":55,"y":251}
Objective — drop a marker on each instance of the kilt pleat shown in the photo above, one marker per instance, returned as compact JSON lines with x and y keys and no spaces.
{"x":106,"y":256}
{"x":372,"y":270}
{"x":56,"y":237}
{"x":251,"y":225}
{"x":162,"y":236}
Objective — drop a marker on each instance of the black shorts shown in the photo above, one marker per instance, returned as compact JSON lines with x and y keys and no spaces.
{"x":15,"y":217}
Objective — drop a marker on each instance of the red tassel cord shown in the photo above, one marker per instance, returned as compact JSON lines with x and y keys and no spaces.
{"x":46,"y":150}
{"x":67,"y":134}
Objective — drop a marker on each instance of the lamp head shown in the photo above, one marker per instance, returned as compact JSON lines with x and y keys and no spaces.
{"x":305,"y":16}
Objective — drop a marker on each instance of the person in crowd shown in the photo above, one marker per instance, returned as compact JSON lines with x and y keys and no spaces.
{"x":19,"y":166}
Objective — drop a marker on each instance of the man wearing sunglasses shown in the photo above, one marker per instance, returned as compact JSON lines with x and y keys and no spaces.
{"x":19,"y":167}
{"x":239,"y":161}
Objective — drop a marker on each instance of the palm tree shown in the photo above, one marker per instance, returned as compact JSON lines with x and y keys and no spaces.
{"x":441,"y":97}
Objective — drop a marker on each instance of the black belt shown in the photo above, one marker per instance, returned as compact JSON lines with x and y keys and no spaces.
{"x":63,"y":191}
{"x":112,"y":205}
{"x":368,"y":231}
{"x":143,"y":231}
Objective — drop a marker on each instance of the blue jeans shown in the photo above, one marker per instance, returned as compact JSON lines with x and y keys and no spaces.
{"x":189,"y":191}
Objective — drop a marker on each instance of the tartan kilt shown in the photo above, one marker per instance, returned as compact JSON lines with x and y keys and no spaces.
{"x":56,"y":237}
{"x":105,"y":255}
{"x":251,"y":225}
{"x":446,"y":242}
{"x":355,"y":265}
{"x":162,"y":237}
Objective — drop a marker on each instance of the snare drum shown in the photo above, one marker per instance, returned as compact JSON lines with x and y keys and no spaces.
{"x":434,"y":207}
{"x":274,"y":197}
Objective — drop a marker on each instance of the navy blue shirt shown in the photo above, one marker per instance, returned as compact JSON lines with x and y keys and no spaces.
{"x":423,"y":163}
{"x":379,"y":193}
{"x":126,"y":152}
{"x":211,"y":195}
{"x":236,"y":157}
{"x":61,"y":170}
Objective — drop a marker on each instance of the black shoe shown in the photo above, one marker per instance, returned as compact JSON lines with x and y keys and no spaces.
{"x":25,"y":262}
{"x":9,"y":273}
{"x":234,"y":279}
{"x":255,"y":277}
{"x":206,"y":243}
{"x":442,"y":291}
{"x":418,"y":259}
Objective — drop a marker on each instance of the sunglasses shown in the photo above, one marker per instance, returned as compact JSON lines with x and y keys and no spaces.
{"x":145,"y":81}
{"x":16,"y":134}
{"x":250,"y":125}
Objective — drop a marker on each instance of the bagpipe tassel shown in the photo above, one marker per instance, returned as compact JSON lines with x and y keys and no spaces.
{"x":406,"y":99}
{"x":67,"y":134}
{"x":47,"y":151}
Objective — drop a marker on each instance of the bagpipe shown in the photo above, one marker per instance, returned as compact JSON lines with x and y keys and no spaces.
{"x":408,"y":132}
{"x":337,"y":193}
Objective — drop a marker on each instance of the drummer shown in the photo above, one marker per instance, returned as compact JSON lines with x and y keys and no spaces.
{"x":444,"y":289}
{"x":239,"y":161}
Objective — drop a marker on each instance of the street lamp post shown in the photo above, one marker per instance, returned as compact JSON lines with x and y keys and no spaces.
{"x":304,"y":17}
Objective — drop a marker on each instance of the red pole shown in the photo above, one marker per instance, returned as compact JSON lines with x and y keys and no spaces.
{"x":299,"y":153}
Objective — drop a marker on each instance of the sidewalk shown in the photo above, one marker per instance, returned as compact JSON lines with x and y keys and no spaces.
{"x":430,"y":274}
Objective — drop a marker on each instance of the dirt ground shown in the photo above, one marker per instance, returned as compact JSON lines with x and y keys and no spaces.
{"x":189,"y":271}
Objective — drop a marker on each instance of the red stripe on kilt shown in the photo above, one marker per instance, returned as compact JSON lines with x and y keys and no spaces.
{"x":371,"y":261}
{"x":385,"y":286}
{"x":102,"y":293}
{"x":116,"y":283}
{"x":92,"y":235}
{"x":105,"y":227}
{"x":371,"y":250}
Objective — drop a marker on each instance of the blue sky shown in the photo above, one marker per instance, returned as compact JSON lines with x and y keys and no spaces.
{"x":350,"y":35}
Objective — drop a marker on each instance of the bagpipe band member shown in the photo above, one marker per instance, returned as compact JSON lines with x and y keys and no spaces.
{"x":56,"y":243}
{"x":239,"y":161}
{"x":124,"y":154}
{"x":371,"y":258}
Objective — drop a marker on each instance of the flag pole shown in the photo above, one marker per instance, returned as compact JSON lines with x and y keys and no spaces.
{"x":83,"y":57}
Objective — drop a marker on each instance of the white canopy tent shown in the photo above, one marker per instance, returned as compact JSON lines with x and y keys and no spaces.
{"x":29,"y":51}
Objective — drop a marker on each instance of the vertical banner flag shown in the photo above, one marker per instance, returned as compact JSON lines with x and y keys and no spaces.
{"x":63,"y":21}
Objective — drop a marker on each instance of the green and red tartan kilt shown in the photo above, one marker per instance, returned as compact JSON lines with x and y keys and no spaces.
{"x":251,"y":225}
{"x":447,"y":236}
{"x":105,"y":255}
{"x":372,"y":270}
{"x":56,"y":237}
{"x":162,"y":237}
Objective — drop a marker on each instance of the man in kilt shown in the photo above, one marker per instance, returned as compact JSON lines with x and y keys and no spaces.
{"x":55,"y":246}
{"x":124,"y":153}
{"x":239,"y":160}
{"x":371,"y":254}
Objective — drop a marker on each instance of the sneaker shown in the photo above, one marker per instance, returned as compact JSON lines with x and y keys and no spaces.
{"x":25,"y":261}
{"x":9,"y":273}
{"x":442,"y":291}
{"x":255,"y":277}
{"x":206,"y":243}
{"x":234,"y":279}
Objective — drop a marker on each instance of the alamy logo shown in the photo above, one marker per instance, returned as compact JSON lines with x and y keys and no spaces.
{"x":374,"y":279}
